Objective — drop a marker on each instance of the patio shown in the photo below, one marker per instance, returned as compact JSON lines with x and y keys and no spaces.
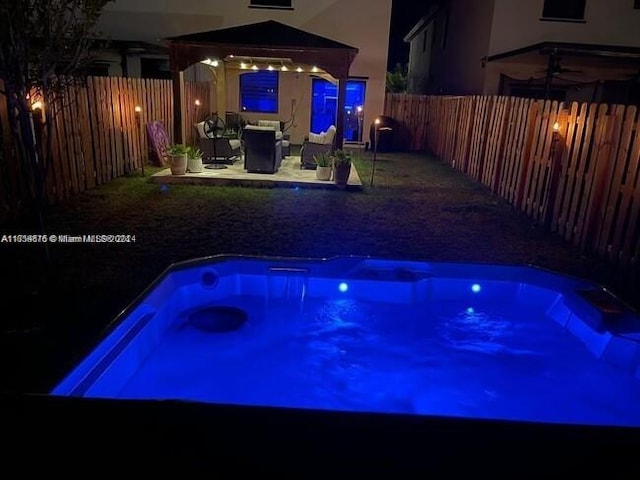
{"x":289,"y":175}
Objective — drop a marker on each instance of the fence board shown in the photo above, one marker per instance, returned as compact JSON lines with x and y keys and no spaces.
{"x":627,"y":233}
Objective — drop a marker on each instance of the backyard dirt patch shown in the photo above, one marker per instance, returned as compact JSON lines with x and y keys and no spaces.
{"x":418,"y":209}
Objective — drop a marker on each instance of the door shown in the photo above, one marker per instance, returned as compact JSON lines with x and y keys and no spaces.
{"x":324,"y":107}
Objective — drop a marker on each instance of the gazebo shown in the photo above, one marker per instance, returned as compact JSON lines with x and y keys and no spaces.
{"x":269,"y":39}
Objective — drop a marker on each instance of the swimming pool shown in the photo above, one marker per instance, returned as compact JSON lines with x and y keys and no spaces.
{"x":460,"y":341}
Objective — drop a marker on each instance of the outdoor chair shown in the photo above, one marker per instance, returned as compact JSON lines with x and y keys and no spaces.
{"x":217,"y":150}
{"x":315,"y":144}
{"x":277,"y":126}
{"x":262,"y":150}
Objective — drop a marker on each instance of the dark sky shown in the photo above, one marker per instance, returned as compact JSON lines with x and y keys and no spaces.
{"x":404,"y":15}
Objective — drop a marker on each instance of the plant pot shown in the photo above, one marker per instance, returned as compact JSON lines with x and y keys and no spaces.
{"x":341,"y":173}
{"x":178,"y":164}
{"x":323,"y":173}
{"x":194,"y":165}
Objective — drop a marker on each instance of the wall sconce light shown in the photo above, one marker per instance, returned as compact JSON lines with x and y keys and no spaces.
{"x":556,"y":127}
{"x":299,"y":69}
{"x":243,"y":66}
{"x":36,"y":106}
{"x":197,"y":102}
{"x":314,"y":69}
{"x":215,"y":63}
{"x":359,"y":108}
{"x":284,"y":68}
{"x":270,"y":68}
{"x":254,"y":67}
{"x":138,"y":109}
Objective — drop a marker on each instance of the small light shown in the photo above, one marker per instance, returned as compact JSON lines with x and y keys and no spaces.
{"x":138,"y":109}
{"x":475,"y":288}
{"x":470,"y":311}
{"x":556,"y":127}
{"x":254,"y":67}
{"x":359,"y":108}
{"x":377,"y":122}
{"x":36,"y":106}
{"x":343,"y":287}
{"x":197,"y":102}
{"x":270,"y":68}
{"x":243,"y":65}
{"x":284,"y":68}
{"x":314,"y":69}
{"x":299,"y":69}
{"x":215,"y":63}
{"x":232,"y":56}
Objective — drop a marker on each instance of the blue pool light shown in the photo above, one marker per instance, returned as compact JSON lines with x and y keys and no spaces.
{"x":470,"y":311}
{"x":343,"y":287}
{"x":475,"y":288}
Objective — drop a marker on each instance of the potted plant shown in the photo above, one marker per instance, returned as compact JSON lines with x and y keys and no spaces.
{"x":194,"y":160}
{"x":323,"y":170}
{"x":177,"y":154}
{"x":341,"y":166}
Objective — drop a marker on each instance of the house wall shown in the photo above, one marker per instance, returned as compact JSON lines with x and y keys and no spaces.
{"x":420,"y":61}
{"x":479,"y":28}
{"x":292,"y":87}
{"x":456,"y":68}
{"x":518,"y":24}
{"x":363,"y":24}
{"x":607,"y":22}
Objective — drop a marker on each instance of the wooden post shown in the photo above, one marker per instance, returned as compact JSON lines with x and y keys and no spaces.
{"x":221,"y":90}
{"x":342,"y":95}
{"x":178,"y":98}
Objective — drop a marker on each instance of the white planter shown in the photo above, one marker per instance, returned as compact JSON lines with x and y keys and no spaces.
{"x":178,"y":164}
{"x":194,"y":165}
{"x":323,"y":173}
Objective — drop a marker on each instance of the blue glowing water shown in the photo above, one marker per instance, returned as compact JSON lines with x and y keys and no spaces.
{"x":452,"y":359}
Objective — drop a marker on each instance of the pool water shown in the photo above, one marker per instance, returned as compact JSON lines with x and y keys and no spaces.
{"x":452,"y":360}
{"x":429,"y":340}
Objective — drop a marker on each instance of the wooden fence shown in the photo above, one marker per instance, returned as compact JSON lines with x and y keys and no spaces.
{"x":97,"y":135}
{"x":574,"y":168}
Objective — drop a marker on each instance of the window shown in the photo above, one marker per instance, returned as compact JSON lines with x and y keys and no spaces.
{"x":563,"y":9}
{"x":275,"y":4}
{"x":259,"y":92}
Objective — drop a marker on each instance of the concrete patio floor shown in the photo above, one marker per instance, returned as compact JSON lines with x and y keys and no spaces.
{"x":289,"y":175}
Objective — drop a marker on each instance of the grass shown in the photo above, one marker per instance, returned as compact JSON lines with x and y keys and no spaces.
{"x":418,"y":209}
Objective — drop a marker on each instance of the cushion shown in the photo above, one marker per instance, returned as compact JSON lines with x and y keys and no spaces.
{"x":200,"y":129}
{"x":234,"y":143}
{"x":275,"y":124}
{"x":278,"y":134}
{"x":331,"y":132}
{"x":316,"y":137}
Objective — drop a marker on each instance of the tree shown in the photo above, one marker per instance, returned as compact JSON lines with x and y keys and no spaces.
{"x":397,"y":79}
{"x":44,"y":48}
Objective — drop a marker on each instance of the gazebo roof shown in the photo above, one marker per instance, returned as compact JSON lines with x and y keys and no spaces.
{"x":271,"y":33}
{"x":264,"y":39}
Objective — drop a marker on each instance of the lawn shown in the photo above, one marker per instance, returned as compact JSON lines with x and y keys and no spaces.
{"x":418,"y":209}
